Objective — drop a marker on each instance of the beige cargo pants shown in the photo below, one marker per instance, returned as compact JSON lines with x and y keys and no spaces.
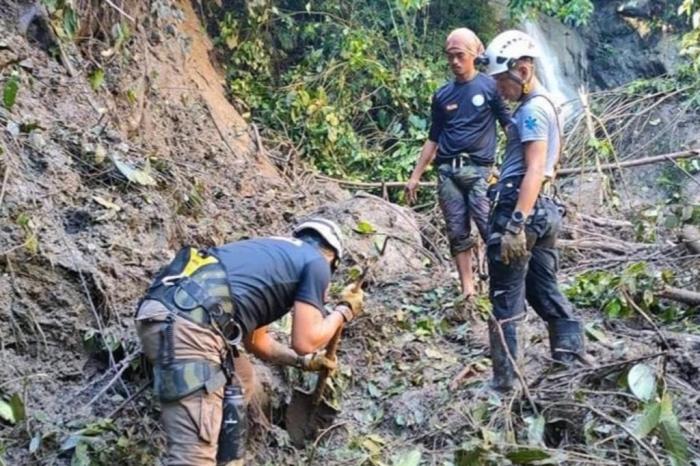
{"x":191,"y":424}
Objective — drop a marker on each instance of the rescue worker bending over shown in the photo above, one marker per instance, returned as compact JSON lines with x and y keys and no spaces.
{"x":524,"y":223}
{"x":205,"y":301}
{"x":462,"y":141}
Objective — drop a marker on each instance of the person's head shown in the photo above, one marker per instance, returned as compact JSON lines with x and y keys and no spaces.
{"x":510,"y":60}
{"x":461,"y":48}
{"x":323,"y":234}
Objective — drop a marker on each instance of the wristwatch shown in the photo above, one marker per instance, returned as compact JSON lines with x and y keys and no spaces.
{"x":516,"y":223}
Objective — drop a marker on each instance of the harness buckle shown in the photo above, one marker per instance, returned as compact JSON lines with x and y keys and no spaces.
{"x":170,"y":280}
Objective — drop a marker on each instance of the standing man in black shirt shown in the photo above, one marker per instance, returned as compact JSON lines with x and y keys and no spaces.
{"x":201,"y":305}
{"x":462,"y":141}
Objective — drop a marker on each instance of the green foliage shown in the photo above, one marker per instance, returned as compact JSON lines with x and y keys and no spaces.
{"x":576,"y":12}
{"x":63,"y":17}
{"x":9,"y":92}
{"x":349,"y":83}
{"x":617,"y":294}
{"x":690,"y":45}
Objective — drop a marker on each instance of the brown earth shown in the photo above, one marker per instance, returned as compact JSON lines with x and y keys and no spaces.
{"x":79,"y":243}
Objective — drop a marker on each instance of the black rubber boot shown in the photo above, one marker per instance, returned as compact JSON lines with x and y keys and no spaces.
{"x":566,"y":341}
{"x":503,"y":373}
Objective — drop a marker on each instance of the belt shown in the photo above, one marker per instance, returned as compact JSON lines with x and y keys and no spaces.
{"x":463,"y":158}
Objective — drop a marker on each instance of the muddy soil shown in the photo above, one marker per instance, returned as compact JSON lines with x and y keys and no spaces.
{"x":101,"y":184}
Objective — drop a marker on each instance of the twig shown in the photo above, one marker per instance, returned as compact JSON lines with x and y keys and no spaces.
{"x":321,"y":435}
{"x":117,"y":377}
{"x":4,"y":183}
{"x":634,"y":436}
{"x":513,"y":363}
{"x":135,"y":395}
{"x":122,"y":12}
{"x":647,"y":318}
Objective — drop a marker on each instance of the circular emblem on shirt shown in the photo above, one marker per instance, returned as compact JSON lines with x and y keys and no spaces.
{"x":478,"y":100}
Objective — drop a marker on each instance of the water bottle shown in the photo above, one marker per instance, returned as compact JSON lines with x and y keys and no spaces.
{"x":233,"y":425}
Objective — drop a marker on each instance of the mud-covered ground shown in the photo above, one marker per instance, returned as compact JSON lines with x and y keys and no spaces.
{"x":102,"y":182}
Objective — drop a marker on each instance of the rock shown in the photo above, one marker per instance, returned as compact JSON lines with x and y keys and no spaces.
{"x":36,"y":140}
{"x":403,"y":253}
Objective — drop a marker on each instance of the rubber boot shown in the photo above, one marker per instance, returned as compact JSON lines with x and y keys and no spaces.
{"x":566,"y":341}
{"x":503,"y":373}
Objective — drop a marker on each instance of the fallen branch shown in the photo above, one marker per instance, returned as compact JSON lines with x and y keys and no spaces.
{"x":604,"y":222}
{"x":631,"y":163}
{"x":562,"y":173}
{"x":618,"y":247}
{"x":691,"y":298}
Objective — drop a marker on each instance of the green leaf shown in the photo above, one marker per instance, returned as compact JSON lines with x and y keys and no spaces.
{"x":470,"y":457}
{"x":597,"y":334}
{"x":9,"y":92}
{"x":642,"y":381}
{"x":411,"y":458}
{"x":671,"y":434}
{"x":6,"y":412}
{"x":527,"y":455}
{"x":96,"y":78}
{"x":17,"y":408}
{"x":612,"y":308}
{"x":535,"y":430}
{"x":365,"y":228}
{"x":80,"y":456}
{"x":70,"y":22}
{"x":642,"y":424}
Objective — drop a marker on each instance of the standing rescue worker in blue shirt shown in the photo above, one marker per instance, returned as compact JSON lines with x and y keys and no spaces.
{"x":462,"y":141}
{"x":201,"y":305}
{"x":524,"y":223}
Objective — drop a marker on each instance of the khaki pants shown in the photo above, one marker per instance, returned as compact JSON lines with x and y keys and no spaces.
{"x":191,"y":424}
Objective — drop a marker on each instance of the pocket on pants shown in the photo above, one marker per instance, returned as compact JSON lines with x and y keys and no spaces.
{"x":205,"y":411}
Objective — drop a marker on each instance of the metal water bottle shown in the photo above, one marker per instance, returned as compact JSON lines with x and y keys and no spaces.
{"x":233,"y":425}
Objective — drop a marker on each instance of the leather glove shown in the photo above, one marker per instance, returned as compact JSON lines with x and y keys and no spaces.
{"x":513,"y":246}
{"x":315,"y":362}
{"x":353,"y":297}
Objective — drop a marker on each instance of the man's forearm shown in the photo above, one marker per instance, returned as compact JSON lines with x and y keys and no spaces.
{"x":426,"y":157}
{"x":277,"y":353}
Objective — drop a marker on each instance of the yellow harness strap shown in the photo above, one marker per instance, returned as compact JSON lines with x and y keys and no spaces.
{"x":196,"y":261}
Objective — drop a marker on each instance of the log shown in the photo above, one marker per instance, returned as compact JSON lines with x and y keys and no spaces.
{"x":691,"y":298}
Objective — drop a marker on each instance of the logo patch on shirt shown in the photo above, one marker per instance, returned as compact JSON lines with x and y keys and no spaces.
{"x":478,"y":100}
{"x":531,"y":123}
{"x":450,"y":107}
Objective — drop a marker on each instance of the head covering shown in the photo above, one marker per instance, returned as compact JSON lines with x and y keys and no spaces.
{"x":464,"y":39}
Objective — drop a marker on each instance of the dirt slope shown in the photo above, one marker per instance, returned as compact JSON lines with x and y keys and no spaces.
{"x":80,"y":241}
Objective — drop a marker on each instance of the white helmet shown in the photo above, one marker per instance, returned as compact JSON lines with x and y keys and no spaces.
{"x":329,"y":231}
{"x":506,"y":48}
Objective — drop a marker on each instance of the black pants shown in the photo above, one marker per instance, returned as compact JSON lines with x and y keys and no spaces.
{"x":534,"y":277}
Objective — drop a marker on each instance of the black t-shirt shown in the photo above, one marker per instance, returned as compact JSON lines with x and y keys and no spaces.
{"x":464,"y":119}
{"x":267,"y":275}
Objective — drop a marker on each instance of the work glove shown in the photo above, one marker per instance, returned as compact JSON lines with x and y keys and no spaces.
{"x":411,"y":190}
{"x":315,"y":362}
{"x":513,"y":246}
{"x":353,"y":297}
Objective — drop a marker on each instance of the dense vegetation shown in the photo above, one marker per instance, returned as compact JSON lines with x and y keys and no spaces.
{"x":348,"y":84}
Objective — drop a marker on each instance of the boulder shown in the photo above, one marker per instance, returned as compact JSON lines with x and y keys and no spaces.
{"x":366,"y":222}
